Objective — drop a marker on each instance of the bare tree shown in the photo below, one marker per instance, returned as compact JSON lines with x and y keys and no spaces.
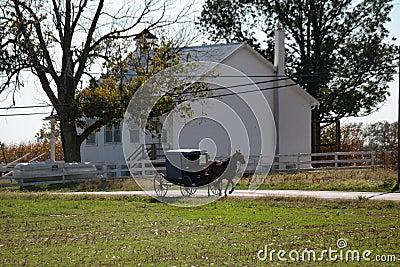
{"x":62,"y":41}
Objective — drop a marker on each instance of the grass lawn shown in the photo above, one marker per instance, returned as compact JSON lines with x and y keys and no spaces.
{"x":39,"y":229}
{"x":378,"y":180}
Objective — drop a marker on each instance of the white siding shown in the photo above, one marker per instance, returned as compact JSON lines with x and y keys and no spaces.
{"x":294,"y":115}
{"x":101,"y":151}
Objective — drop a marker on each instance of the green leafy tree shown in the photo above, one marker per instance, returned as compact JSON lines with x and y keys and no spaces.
{"x":381,"y":136}
{"x":337,"y":50}
{"x":352,"y":137}
{"x":113,"y":91}
{"x":61,"y":42}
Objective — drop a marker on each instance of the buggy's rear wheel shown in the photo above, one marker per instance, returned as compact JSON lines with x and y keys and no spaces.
{"x":188,"y":190}
{"x":160,"y":185}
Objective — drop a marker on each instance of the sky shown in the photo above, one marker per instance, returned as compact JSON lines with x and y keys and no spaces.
{"x":17,"y":129}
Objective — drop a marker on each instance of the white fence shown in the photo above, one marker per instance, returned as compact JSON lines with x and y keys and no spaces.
{"x":281,"y":163}
{"x":326,"y":161}
{"x":58,"y":172}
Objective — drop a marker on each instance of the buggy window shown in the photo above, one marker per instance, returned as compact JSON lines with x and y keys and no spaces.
{"x":192,"y":156}
{"x":203,"y":160}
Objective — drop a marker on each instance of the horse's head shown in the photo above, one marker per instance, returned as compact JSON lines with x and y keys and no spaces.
{"x":238,"y":157}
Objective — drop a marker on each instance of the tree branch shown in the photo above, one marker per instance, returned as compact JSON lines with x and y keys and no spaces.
{"x":58,"y":20}
{"x":41,"y":39}
{"x":90,"y":129}
{"x":78,"y":15}
{"x":87,"y":47}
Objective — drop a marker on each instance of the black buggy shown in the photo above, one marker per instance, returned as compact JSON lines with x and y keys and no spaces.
{"x":186,"y":168}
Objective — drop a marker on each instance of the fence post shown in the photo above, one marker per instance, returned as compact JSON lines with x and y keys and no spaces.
{"x":143,"y":151}
{"x":336,"y":159}
{"x":143,"y":165}
{"x":298,"y":162}
{"x":372,"y":159}
{"x":153,"y":152}
{"x":104,"y":170}
{"x":63,"y":172}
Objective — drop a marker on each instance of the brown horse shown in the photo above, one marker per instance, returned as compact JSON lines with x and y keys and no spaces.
{"x":225,"y":170}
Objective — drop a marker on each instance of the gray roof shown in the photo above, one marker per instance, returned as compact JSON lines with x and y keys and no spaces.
{"x":220,"y":52}
{"x":214,"y":53}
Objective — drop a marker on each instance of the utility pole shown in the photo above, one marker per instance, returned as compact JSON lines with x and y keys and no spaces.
{"x":397,"y":187}
{"x":4,"y":153}
{"x":53,"y":120}
{"x":279,"y":63}
{"x":398,"y":131}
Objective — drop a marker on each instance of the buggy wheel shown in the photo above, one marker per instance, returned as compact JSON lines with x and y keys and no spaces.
{"x":160,"y":185}
{"x":188,"y":190}
{"x":215,"y":187}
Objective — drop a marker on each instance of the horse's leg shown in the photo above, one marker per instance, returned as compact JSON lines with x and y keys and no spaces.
{"x":233,"y":186}
{"x":218,"y":182}
{"x":226,"y":188}
{"x":210,"y":181}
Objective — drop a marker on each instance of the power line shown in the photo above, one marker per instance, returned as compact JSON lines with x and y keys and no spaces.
{"x":233,"y":86}
{"x":317,"y":74}
{"x":179,"y":101}
{"x":277,"y":79}
{"x":23,"y":114}
{"x":183,"y":93}
{"x":23,"y":107}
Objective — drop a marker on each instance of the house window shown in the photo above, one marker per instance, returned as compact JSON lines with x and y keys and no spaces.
{"x":117,"y":134}
{"x":164,"y":136}
{"x":109,"y":134}
{"x":112,"y":134}
{"x":91,"y":139}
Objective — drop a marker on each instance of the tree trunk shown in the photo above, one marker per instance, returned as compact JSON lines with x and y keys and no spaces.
{"x":70,"y":142}
{"x":315,"y":131}
{"x":68,"y":111}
